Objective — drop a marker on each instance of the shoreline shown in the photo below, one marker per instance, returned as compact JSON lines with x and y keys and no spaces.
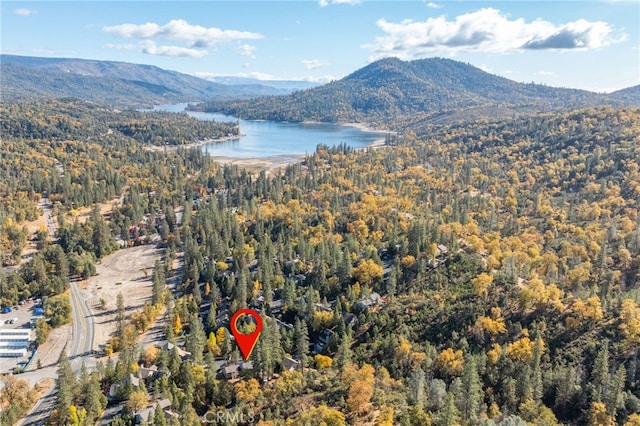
{"x":199,"y":142}
{"x":273,"y":162}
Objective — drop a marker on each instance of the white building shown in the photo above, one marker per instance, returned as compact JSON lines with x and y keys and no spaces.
{"x":14,"y":342}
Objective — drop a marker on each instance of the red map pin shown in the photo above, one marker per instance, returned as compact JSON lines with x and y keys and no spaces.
{"x":246,"y":342}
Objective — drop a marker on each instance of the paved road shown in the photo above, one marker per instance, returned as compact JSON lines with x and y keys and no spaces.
{"x":81,"y":347}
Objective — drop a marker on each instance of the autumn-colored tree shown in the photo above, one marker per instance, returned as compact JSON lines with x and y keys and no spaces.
{"x":247,"y":391}
{"x":521,"y":350}
{"x":150,"y":355}
{"x":630,"y":322}
{"x":322,"y":319}
{"x":598,"y":415}
{"x":321,"y":415}
{"x":177,"y":325}
{"x":451,"y":362}
{"x":481,"y":284}
{"x":367,"y":272}
{"x":323,"y":361}
{"x":137,"y":401}
{"x":361,"y":390}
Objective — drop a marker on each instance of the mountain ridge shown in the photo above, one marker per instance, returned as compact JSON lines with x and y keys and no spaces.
{"x":391,"y":90}
{"x":28,"y":77}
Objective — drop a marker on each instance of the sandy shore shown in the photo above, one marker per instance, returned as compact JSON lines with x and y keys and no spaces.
{"x":265,"y":163}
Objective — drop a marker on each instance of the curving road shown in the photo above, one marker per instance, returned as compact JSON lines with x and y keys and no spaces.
{"x":79,"y":349}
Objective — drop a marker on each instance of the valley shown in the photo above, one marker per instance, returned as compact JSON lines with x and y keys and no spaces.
{"x":423,"y":242}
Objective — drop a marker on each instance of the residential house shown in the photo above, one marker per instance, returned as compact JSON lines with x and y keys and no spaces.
{"x":290,"y":364}
{"x":367,"y":302}
{"x":147,"y":414}
{"x":233,"y":371}
{"x":128,"y":380}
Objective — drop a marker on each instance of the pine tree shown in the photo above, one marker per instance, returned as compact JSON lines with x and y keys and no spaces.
{"x":301,"y":340}
{"x":211,"y":317}
{"x":159,"y":283}
{"x":471,"y":403}
{"x":66,"y":384}
{"x":449,"y":414}
{"x":344,"y":356}
{"x":600,"y":374}
{"x":158,"y":417}
{"x":120,"y":319}
{"x":196,"y":340}
{"x":95,"y":400}
{"x":615,"y":394}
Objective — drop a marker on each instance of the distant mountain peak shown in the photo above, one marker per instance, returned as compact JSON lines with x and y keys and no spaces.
{"x":391,"y":90}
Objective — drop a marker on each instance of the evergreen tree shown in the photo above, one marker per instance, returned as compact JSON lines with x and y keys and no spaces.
{"x":66,"y":385}
{"x":120,"y":318}
{"x":211,"y":317}
{"x":158,"y":417}
{"x":196,"y":340}
{"x":344,"y":356}
{"x":159,"y":283}
{"x":472,"y":394}
{"x":301,"y":340}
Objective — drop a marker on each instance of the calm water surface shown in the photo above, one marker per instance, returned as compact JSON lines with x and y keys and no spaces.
{"x":265,"y":139}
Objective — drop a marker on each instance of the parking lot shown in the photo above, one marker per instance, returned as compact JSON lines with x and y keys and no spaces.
{"x":18,"y":318}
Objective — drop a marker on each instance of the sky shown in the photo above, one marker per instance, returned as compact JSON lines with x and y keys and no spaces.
{"x":593,"y":45}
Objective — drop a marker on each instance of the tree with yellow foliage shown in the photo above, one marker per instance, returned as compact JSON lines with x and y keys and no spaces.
{"x":386,"y":416}
{"x":322,"y":319}
{"x":323,"y":361}
{"x":451,"y":362}
{"x":598,"y":415}
{"x":481,"y":284}
{"x":630,"y":322}
{"x":321,"y":415}
{"x":367,"y":272}
{"x":361,"y":391}
{"x":212,"y":344}
{"x":137,"y":401}
{"x":177,"y":325}
{"x":247,"y":391}
{"x":633,"y":420}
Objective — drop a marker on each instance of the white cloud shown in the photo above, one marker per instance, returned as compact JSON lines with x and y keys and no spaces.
{"x":256,"y":75}
{"x":124,"y":47}
{"x":247,"y":50}
{"x":264,"y":76}
{"x":486,"y":30}
{"x":24,"y":12}
{"x":546,"y":73}
{"x":150,"y":48}
{"x":433,"y":5}
{"x":312,"y":64}
{"x":195,"y":36}
{"x":325,"y":3}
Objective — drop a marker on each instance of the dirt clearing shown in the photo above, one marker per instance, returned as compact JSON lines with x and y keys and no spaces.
{"x":127,"y":271}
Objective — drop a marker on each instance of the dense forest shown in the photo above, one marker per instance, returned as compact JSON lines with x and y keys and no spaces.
{"x":396,"y":94}
{"x":477,"y":274}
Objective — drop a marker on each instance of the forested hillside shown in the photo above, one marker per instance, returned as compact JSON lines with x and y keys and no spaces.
{"x":114,"y":83}
{"x":395,"y":93}
{"x":477,"y":274}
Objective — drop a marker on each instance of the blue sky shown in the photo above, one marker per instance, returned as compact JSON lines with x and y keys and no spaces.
{"x":583,"y":44}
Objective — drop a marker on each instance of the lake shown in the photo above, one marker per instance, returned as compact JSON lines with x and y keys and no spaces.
{"x":285,"y":141}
